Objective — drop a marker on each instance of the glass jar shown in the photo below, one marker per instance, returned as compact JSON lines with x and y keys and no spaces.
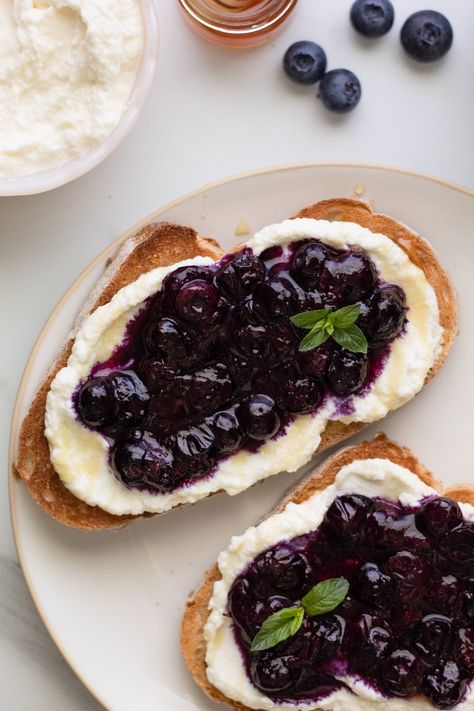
{"x":238,"y":24}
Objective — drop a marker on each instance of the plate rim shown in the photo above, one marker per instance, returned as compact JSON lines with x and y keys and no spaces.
{"x":103,"y":254}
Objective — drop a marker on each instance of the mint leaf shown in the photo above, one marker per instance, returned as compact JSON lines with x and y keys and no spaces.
{"x":351,"y":338}
{"x":342,"y":318}
{"x":277,"y":627}
{"x":325,"y":596}
{"x":313,"y":339}
{"x":308,"y":319}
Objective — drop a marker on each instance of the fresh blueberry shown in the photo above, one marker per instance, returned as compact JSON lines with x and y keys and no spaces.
{"x":304,"y":62}
{"x":372,"y":18}
{"x":426,"y":35}
{"x":340,"y":90}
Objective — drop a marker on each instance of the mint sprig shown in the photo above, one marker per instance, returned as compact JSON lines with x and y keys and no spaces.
{"x":278,"y":627}
{"x":322,"y":598}
{"x":340,"y":325}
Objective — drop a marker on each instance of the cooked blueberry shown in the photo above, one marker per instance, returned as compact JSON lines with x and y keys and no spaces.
{"x":194,"y":441}
{"x":443,"y":593}
{"x":173,"y":282}
{"x":347,"y":372}
{"x":372,"y":641}
{"x":404,"y":618}
{"x":426,"y":35}
{"x":166,"y":339}
{"x":465,"y":648}
{"x":340,"y":90}
{"x":95,"y":402}
{"x":227,"y":433}
{"x":438,"y":516}
{"x":308,"y":262}
{"x":445,"y":686}
{"x":145,"y":462}
{"x":330,"y":630}
{"x":192,"y":450}
{"x":347,"y":515}
{"x":240,"y":274}
{"x":395,"y":530}
{"x":258,"y":417}
{"x":302,"y":395}
{"x":433,"y":637}
{"x":209,"y":388}
{"x":457,"y":548}
{"x":371,"y":586}
{"x":263,"y":345}
{"x":197,"y":302}
{"x":305,"y":62}
{"x":316,"y":361}
{"x":467,"y":600}
{"x":372,"y":18}
{"x":283,"y":569}
{"x":275,"y":298}
{"x":131,"y":397}
{"x":155,"y":374}
{"x":383,"y":316}
{"x":352,"y":276}
{"x":272,"y":673}
{"x":410,"y":574}
{"x":402,"y":673}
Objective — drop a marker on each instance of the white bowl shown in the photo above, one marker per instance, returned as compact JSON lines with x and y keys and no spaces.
{"x":61,"y":174}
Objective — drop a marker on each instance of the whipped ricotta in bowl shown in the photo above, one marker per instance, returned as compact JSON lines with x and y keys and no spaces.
{"x":67,"y":70}
{"x":81,"y":455}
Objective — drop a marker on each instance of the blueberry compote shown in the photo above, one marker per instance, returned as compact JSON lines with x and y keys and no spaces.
{"x":211,"y":363}
{"x":406,"y":626}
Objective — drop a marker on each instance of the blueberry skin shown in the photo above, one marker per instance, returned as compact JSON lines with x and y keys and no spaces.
{"x":372,"y":18}
{"x":426,"y":35}
{"x":305,"y":62}
{"x":340,"y":91}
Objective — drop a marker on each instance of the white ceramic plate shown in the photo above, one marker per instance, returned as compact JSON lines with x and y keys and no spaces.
{"x":113,"y":601}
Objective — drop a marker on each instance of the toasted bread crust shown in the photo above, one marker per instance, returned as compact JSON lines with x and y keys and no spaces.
{"x":163,"y":244}
{"x":157,"y":245}
{"x":193,"y":645}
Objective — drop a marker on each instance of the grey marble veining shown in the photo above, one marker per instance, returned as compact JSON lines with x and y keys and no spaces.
{"x":42,"y":679}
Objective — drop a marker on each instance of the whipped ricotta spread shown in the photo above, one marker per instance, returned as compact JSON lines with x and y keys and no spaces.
{"x":225,"y":669}
{"x":67,"y":68}
{"x":80,"y":456}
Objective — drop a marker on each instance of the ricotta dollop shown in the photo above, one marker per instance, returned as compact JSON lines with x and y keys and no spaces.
{"x":225,"y":669}
{"x":67,"y":68}
{"x":80,"y":456}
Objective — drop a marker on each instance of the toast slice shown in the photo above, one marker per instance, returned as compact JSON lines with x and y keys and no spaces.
{"x":163,"y":244}
{"x":193,"y":644}
{"x":156,"y":245}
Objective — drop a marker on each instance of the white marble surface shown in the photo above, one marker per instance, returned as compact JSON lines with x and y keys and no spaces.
{"x":212,"y":113}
